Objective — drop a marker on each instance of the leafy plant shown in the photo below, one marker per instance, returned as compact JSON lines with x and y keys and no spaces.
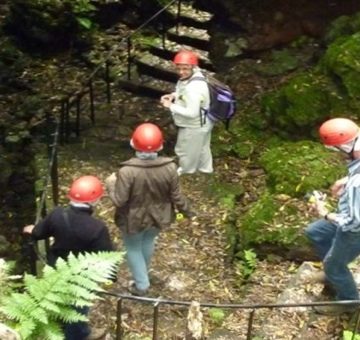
{"x":46,"y":302}
{"x":247,"y":264}
{"x":217,"y":315}
{"x":348,"y":335}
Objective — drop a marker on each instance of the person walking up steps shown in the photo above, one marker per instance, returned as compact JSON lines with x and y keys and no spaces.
{"x":336,"y":236}
{"x":145,"y":192}
{"x":188,"y":105}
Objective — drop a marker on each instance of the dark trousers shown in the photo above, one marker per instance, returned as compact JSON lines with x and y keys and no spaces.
{"x":77,"y":330}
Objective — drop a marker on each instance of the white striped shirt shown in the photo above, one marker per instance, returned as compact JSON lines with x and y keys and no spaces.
{"x":348,"y":210}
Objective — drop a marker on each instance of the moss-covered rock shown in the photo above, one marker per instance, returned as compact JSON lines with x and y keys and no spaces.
{"x":281,"y":61}
{"x":343,"y":26}
{"x":297,"y":109}
{"x":342,"y":60}
{"x":295,"y":168}
{"x":276,"y":220}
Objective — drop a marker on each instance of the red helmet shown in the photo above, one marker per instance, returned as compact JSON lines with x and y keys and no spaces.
{"x":86,"y":189}
{"x":338,"y":131}
{"x":147,"y":137}
{"x":186,"y":57}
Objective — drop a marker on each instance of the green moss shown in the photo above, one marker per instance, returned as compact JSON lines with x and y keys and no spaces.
{"x":280,"y":62}
{"x":295,"y":168}
{"x":241,"y":140}
{"x":342,"y":60}
{"x":271,"y":220}
{"x":299,"y":107}
{"x":343,"y":26}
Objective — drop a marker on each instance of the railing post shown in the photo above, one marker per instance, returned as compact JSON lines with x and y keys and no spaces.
{"x":55,"y":177}
{"x":178,"y":14}
{"x":250,"y":324}
{"x":91,"y":96}
{"x":162,"y":31}
{"x":155,"y":320}
{"x":119,"y":330}
{"x":129,"y":58}
{"x":107,"y":78}
{"x":78,"y":111}
{"x":62,"y":119}
{"x":67,"y":119}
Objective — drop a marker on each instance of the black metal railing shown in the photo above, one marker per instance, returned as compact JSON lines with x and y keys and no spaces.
{"x":250,"y":308}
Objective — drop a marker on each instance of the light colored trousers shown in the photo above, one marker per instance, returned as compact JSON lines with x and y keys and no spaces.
{"x":193,"y":149}
{"x":139,"y":250}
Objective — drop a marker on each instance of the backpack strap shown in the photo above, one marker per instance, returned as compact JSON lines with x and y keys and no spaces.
{"x":203,"y":111}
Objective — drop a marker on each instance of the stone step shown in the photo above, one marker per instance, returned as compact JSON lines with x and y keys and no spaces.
{"x":301,"y":322}
{"x":145,"y":68}
{"x":201,"y":44}
{"x":141,"y":87}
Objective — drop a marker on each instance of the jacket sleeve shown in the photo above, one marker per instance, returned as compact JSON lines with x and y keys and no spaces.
{"x":193,"y":100}
{"x":121,"y":192}
{"x":42,"y":230}
{"x":177,"y":199}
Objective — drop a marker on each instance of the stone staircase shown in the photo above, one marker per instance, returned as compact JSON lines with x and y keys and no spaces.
{"x":152,"y":72}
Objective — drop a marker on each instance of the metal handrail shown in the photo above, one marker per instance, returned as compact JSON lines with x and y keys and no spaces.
{"x":252,"y":308}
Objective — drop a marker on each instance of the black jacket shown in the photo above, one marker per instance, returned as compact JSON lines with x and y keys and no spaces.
{"x":74,"y":230}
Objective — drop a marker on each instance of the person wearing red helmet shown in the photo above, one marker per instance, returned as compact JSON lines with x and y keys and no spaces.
{"x":75,"y":230}
{"x":336,"y":235}
{"x":188,"y":105}
{"x":145,"y":192}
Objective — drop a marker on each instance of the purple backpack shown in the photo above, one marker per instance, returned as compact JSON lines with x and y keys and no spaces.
{"x":222,"y":101}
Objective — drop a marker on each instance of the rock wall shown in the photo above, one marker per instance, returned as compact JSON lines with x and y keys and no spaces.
{"x":247,"y":27}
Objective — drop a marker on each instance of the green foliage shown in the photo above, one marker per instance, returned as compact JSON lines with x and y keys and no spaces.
{"x":247,"y":263}
{"x":343,"y":26}
{"x":217,"y":315}
{"x":342,"y":60}
{"x":50,"y":23}
{"x":295,"y":168}
{"x":348,"y":335}
{"x":47,"y":301}
{"x":299,"y":107}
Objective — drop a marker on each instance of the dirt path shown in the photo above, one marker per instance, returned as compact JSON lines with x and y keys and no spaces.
{"x":190,"y":261}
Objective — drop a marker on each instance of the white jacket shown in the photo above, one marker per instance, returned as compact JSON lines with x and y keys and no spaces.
{"x":190,"y":96}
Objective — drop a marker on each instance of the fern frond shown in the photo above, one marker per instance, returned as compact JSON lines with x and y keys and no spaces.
{"x":52,"y":297}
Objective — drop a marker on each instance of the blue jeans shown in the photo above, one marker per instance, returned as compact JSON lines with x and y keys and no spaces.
{"x":336,"y":249}
{"x":77,"y":330}
{"x":139,"y":250}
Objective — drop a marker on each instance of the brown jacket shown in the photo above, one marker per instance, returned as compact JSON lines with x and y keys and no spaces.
{"x":145,"y":193}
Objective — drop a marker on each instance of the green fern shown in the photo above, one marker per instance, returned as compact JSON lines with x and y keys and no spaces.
{"x":48,"y":301}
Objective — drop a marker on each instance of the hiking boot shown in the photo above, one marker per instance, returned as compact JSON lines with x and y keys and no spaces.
{"x":336,"y":309}
{"x":96,"y":334}
{"x":328,"y":290}
{"x":137,"y":292}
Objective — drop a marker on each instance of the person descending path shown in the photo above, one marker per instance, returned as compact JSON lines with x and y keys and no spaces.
{"x":188,"y":105}
{"x":336,"y":236}
{"x":75,"y":230}
{"x":145,"y":191}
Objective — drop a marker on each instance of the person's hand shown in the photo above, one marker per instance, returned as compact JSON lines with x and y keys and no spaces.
{"x":169,"y":96}
{"x":319,"y":208}
{"x":338,"y":187}
{"x":110,"y":181}
{"x":28,"y":229}
{"x":166,"y":102}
